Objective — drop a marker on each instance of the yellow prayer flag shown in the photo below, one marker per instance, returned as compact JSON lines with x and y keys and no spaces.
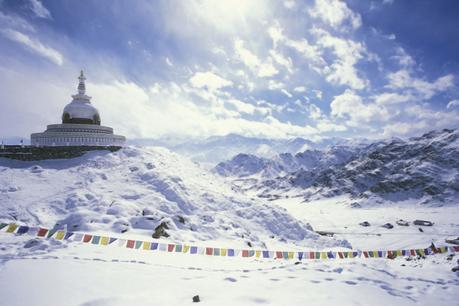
{"x":11,"y":228}
{"x":59,"y":235}
{"x":323,"y":255}
{"x":223,"y":252}
{"x":290,"y":255}
{"x":146,"y":245}
{"x":104,"y":240}
{"x":257,"y":254}
{"x":185,"y":248}
{"x":399,"y":253}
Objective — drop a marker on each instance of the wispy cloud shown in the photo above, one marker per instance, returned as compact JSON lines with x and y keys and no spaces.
{"x":34,"y":45}
{"x":335,"y":13}
{"x":39,"y":9}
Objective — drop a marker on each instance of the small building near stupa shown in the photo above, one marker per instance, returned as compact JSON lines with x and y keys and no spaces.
{"x":81,"y":125}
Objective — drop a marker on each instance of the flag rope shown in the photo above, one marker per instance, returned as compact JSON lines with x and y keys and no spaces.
{"x":92,"y":239}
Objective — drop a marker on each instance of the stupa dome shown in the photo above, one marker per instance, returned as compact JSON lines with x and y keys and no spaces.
{"x":80,"y":126}
{"x":80,"y":110}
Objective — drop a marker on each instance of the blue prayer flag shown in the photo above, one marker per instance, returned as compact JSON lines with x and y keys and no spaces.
{"x":22,"y":229}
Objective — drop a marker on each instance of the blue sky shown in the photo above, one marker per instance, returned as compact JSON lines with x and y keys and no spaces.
{"x":263,"y":68}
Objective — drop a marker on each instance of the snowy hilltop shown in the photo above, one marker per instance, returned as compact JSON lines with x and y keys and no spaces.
{"x":144,"y":191}
{"x":425,"y":168}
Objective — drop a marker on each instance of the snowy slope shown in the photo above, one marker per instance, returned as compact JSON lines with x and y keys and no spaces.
{"x":136,"y":190}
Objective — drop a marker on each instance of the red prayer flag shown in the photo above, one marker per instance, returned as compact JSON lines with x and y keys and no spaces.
{"x":87,"y":238}
{"x":170,"y":247}
{"x":340,"y":254}
{"x":42,"y":232}
{"x":279,"y":254}
{"x":245,"y":253}
{"x":209,"y":251}
{"x":312,"y":255}
{"x":365,"y":253}
{"x":130,"y":244}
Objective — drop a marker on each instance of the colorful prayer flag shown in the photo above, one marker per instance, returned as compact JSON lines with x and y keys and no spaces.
{"x":86,"y":238}
{"x":22,"y":229}
{"x":104,"y":240}
{"x":60,"y":235}
{"x":130,"y":244}
{"x":11,"y":228}
{"x":95,"y":239}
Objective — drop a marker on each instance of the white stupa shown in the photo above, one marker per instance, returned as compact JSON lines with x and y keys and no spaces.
{"x":80,"y":125}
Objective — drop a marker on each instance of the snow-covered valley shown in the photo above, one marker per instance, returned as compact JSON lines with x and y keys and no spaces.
{"x":140,"y":192}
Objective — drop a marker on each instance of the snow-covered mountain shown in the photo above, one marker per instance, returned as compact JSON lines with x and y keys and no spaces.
{"x":217,"y":149}
{"x":137,"y":190}
{"x":244,"y":165}
{"x":425,"y":168}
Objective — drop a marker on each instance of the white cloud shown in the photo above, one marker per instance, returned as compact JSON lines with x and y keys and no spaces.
{"x":242,"y":107}
{"x":267,"y":69}
{"x":348,"y":52}
{"x":325,"y":125}
{"x":16,"y":22}
{"x":335,"y":13}
{"x":209,"y":80}
{"x":318,"y":93}
{"x":452,"y":104}
{"x":39,"y":9}
{"x":392,"y":98}
{"x":169,"y":62}
{"x":391,"y":36}
{"x":289,"y":4}
{"x":260,"y":68}
{"x":285,"y":92}
{"x":169,"y":109}
{"x":308,"y":51}
{"x":350,"y":106}
{"x":299,"y":89}
{"x":282,"y":60}
{"x":404,"y":128}
{"x":311,"y":109}
{"x":274,"y":85}
{"x":34,"y":45}
{"x":402,"y":79}
{"x":419,"y":119}
{"x":403,"y":58}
